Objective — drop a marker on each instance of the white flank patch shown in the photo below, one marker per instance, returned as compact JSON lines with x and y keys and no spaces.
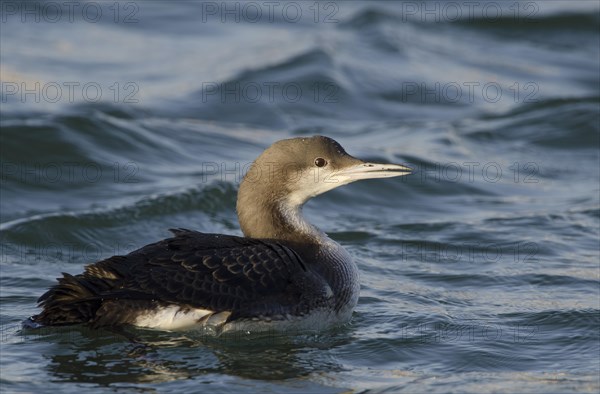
{"x":174,"y":318}
{"x":171,"y":318}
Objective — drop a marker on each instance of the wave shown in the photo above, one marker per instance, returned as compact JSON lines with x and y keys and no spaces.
{"x":86,"y":225}
{"x":561,"y":124}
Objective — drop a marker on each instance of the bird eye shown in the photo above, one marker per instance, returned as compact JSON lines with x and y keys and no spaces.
{"x":320,"y":162}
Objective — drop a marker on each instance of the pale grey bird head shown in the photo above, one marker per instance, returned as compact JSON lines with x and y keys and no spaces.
{"x":289,"y":173}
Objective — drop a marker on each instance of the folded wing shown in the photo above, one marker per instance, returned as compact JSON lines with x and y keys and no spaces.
{"x":246,"y":277}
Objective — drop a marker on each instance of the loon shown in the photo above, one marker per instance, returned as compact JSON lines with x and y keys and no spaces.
{"x":283,"y":274}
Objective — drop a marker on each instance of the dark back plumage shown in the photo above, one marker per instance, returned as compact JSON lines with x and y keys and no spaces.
{"x":247,"y":277}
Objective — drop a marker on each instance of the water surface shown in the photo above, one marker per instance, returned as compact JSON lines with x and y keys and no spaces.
{"x":479,"y":272}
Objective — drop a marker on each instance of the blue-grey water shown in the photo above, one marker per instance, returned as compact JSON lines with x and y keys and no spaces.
{"x":480,"y":272}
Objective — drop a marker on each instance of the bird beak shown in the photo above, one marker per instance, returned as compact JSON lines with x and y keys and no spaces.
{"x":364,"y":170}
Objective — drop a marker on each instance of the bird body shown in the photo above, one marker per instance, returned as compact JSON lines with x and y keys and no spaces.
{"x":285,"y":274}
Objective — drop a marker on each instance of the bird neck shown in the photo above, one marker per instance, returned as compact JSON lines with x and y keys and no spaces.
{"x":268,"y":215}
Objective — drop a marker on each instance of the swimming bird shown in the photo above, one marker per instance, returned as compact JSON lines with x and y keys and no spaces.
{"x":283,"y":274}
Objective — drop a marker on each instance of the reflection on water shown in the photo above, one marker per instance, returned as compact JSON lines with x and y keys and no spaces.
{"x":144,"y":356}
